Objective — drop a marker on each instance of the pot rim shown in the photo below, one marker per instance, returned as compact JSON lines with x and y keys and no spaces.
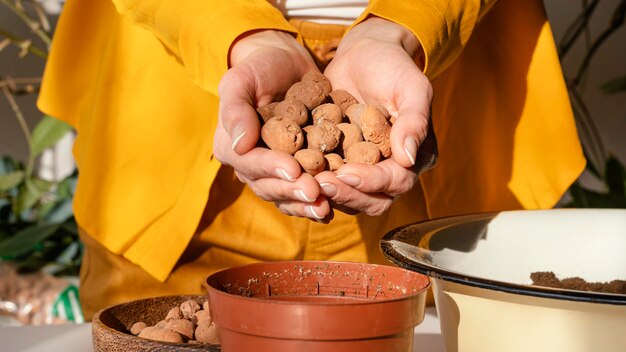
{"x":474,"y":281}
{"x":406,"y":296}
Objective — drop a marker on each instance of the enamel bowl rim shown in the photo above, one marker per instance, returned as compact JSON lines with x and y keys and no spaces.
{"x":436,"y":272}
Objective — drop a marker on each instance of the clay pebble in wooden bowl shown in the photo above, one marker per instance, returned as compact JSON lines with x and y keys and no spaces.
{"x":111,"y":326}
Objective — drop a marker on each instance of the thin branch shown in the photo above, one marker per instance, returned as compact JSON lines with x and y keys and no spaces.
{"x":594,"y":139}
{"x":20,"y":42}
{"x":23,"y":80}
{"x":587,"y":42}
{"x":22,"y":86}
{"x":22,"y":122}
{"x":41,"y":15}
{"x":616,"y":22}
{"x":32,"y":24}
{"x":576,"y":28}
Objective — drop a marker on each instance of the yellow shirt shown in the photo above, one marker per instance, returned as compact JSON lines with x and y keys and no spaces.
{"x":138,"y":80}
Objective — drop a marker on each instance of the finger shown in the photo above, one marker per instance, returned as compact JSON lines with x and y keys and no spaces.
{"x":257,"y":163}
{"x":428,"y":152}
{"x":305,"y":189}
{"x":319,"y":211}
{"x":335,"y":190}
{"x":386,"y":177}
{"x":413,"y":99}
{"x":342,"y":208}
{"x":236,"y":111}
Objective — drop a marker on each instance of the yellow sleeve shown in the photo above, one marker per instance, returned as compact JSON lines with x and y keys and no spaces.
{"x":443,"y":27}
{"x":200,"y":32}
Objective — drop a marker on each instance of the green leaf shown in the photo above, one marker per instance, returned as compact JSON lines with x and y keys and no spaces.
{"x":3,"y":234}
{"x":42,"y":186}
{"x":66,"y":188}
{"x":71,"y":226}
{"x":26,"y":240}
{"x":10,"y":180}
{"x":47,"y":132}
{"x":68,"y":254}
{"x":30,"y":193}
{"x":60,"y":212}
{"x":615,"y":85}
{"x":8,"y":164}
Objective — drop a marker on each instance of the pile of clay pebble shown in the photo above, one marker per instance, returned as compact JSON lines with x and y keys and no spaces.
{"x":190,"y":322}
{"x":324,"y":128}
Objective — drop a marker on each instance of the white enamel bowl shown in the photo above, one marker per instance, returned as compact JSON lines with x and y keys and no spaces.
{"x":481,"y":265}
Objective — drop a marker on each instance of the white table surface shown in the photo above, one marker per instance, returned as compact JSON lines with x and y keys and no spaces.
{"x":77,"y":337}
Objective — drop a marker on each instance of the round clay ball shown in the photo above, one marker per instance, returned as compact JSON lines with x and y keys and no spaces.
{"x":138,"y":327}
{"x":354,"y":113}
{"x":208,"y":333}
{"x":182,"y":326}
{"x":283,"y":134}
{"x":376,"y":129}
{"x":310,"y":93}
{"x":267,"y":112}
{"x":363,"y":152}
{"x":294,"y":109}
{"x":312,"y":161}
{"x":323,"y":137}
{"x":319,"y":79}
{"x":159,"y":334}
{"x":343,"y":99}
{"x":202,"y":315}
{"x":351,"y":134}
{"x":188,"y":308}
{"x":327,"y":112}
{"x":174,"y":313}
{"x":333,"y":161}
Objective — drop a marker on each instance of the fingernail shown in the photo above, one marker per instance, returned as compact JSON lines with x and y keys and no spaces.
{"x":298,"y":193}
{"x":350,"y":180}
{"x":237,"y":135}
{"x":328,"y":189}
{"x":284,"y":175}
{"x":312,"y":213}
{"x":410,"y":149}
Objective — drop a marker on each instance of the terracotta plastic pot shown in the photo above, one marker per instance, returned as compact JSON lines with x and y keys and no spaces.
{"x":317,"y":306}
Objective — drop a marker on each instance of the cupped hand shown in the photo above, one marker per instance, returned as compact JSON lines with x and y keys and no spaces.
{"x":264,"y":65}
{"x":376,"y":62}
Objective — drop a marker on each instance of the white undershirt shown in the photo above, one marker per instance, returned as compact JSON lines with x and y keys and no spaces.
{"x":322,"y":11}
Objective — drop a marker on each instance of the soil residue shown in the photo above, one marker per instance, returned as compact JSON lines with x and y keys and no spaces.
{"x":549,"y":279}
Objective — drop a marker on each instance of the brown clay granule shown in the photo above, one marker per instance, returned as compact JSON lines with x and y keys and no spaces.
{"x":549,"y":279}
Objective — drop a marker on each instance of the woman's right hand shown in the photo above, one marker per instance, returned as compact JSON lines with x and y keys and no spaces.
{"x":264,"y":65}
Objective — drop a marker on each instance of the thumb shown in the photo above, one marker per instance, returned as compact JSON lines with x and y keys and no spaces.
{"x":411,"y":126}
{"x":237,"y":114}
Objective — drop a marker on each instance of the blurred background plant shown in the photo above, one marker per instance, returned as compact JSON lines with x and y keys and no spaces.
{"x":37,"y":227}
{"x":603,"y":166}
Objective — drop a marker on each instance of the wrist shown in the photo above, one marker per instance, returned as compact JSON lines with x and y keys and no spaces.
{"x":380,"y":29}
{"x":250,"y":41}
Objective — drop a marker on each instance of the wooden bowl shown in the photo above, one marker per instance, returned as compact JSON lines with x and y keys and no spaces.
{"x":111,"y":326}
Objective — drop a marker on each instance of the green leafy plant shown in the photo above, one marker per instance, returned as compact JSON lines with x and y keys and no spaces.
{"x":602,"y":165}
{"x":37,"y":227}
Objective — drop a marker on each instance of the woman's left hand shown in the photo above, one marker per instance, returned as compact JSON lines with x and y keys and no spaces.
{"x":375,"y":62}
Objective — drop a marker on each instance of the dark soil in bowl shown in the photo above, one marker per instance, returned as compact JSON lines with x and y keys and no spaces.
{"x":549,"y":279}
